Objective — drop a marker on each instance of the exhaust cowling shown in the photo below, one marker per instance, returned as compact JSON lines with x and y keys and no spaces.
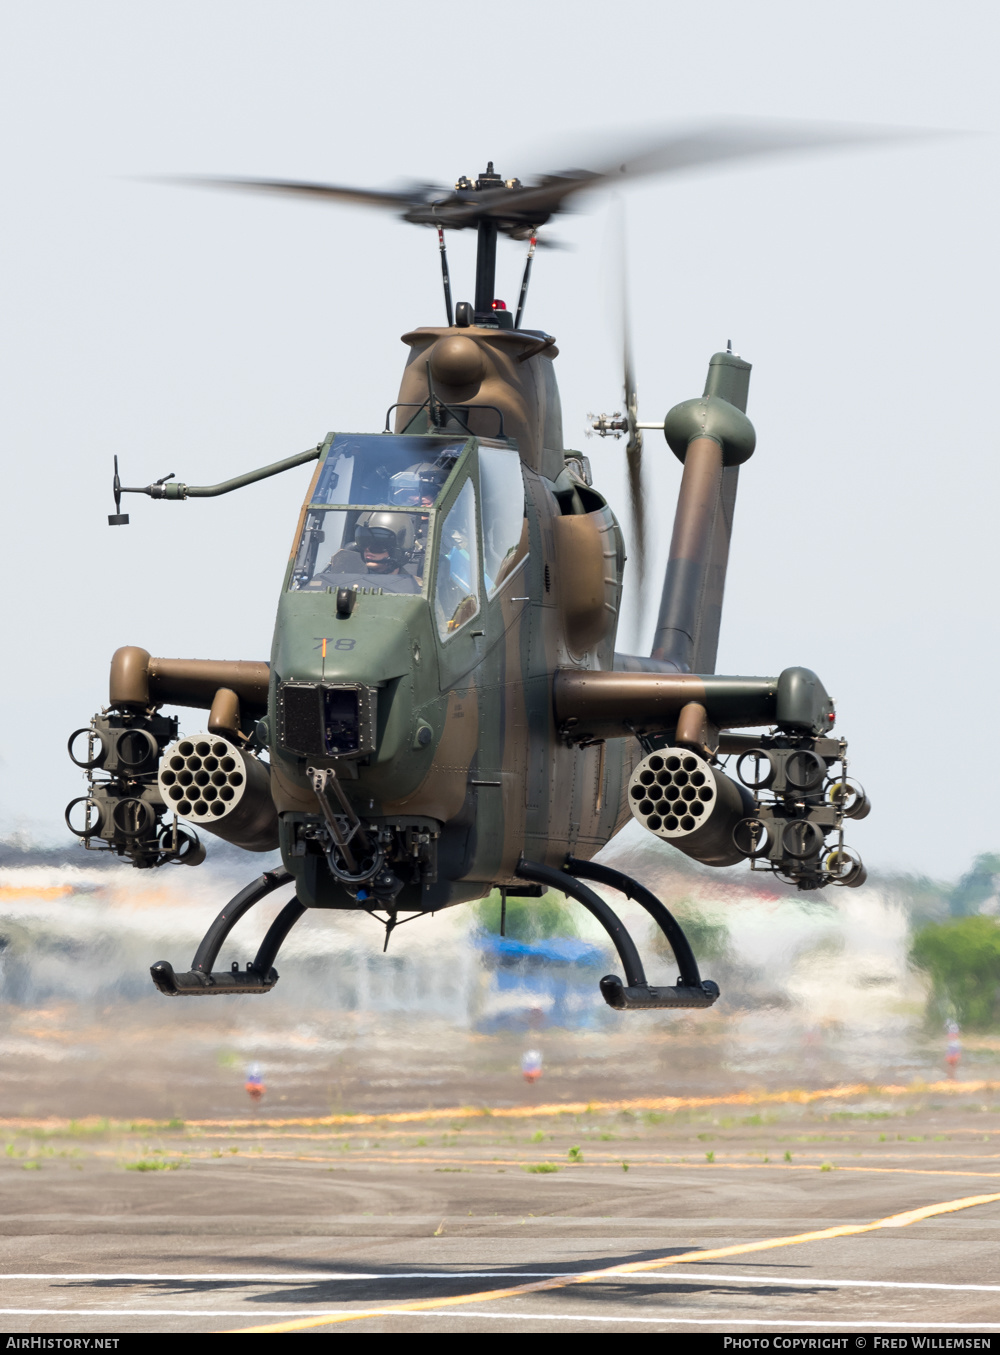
{"x":209,"y":782}
{"x":681,"y":798}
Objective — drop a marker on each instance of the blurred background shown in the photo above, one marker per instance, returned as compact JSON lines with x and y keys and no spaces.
{"x":847,"y":986}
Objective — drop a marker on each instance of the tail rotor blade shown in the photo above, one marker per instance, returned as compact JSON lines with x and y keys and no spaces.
{"x":633,"y":449}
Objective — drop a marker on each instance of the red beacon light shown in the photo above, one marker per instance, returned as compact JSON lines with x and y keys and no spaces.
{"x":499,"y":305}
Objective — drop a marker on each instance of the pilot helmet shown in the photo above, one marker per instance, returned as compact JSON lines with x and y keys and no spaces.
{"x":391,"y":533}
{"x":418,"y":485}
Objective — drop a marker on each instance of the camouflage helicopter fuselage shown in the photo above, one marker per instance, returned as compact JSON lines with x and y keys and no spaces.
{"x":493,"y":780}
{"x":444,"y":712}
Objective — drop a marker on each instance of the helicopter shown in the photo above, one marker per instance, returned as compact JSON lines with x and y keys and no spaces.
{"x":444,"y":712}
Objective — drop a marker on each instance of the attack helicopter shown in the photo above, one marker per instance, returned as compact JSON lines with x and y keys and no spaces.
{"x":444,"y":712}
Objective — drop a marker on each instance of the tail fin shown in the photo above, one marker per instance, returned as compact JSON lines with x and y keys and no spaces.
{"x":712,"y":437}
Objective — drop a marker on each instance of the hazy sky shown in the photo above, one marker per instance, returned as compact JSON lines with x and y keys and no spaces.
{"x":209,"y":333}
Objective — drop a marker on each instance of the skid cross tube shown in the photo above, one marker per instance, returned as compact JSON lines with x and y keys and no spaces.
{"x":606,"y":916}
{"x":259,"y":977}
{"x":636,"y":994}
{"x":661,"y":915}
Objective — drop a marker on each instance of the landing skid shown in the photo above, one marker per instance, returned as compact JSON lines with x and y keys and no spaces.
{"x":636,"y":994}
{"x":260,"y":976}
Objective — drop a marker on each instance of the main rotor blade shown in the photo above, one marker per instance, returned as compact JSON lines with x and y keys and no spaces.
{"x":526,"y":207}
{"x":676,"y":151}
{"x":395,"y":200}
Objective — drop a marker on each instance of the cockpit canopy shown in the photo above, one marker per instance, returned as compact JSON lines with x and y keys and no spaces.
{"x":358,"y":531}
{"x":413,"y":513}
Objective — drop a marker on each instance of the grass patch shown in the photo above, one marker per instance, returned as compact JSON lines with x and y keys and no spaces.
{"x":826,"y":1167}
{"x":542,"y":1167}
{"x":151,"y":1164}
{"x":31,"y":1166}
{"x":575,"y":1154}
{"x":860,"y":1115}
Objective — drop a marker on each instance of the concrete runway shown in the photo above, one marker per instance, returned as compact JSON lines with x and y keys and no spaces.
{"x":314,"y":1225}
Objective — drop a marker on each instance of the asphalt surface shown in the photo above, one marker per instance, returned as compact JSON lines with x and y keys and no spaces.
{"x":109,"y":1228}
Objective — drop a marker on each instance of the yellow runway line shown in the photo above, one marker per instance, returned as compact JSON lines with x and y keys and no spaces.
{"x":797,"y":1096}
{"x":632,"y":1267}
{"x":525,"y":1164}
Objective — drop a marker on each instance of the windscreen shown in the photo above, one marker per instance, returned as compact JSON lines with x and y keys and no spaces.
{"x":368,"y":521}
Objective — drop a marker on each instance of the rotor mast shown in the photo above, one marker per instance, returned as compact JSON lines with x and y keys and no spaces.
{"x":486,"y":249}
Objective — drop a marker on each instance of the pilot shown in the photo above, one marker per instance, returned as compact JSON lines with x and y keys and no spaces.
{"x":381,"y":547}
{"x":418,"y":486}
